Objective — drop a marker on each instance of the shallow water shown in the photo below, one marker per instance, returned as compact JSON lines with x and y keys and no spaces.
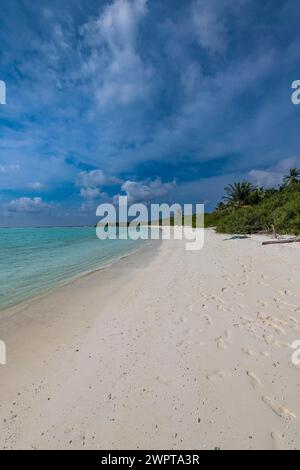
{"x":33,"y":260}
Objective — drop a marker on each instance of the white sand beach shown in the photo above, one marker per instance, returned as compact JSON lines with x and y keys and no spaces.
{"x":167,"y":350}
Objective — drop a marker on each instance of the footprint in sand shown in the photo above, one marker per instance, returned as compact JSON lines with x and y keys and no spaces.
{"x":278,"y":441}
{"x":285,"y":292}
{"x":282,"y":344}
{"x":241,"y":306}
{"x":248,"y":352}
{"x":277,"y":328}
{"x":294,"y":324}
{"x":207,"y":319}
{"x":265,"y":353}
{"x":224,"y":341}
{"x":280,"y":410}
{"x":268,"y":339}
{"x":218,"y":374}
{"x":163,"y":381}
{"x":220,"y":300}
{"x":293,"y":320}
{"x":272,"y":322}
{"x":188,"y":332}
{"x":220,"y":307}
{"x":254,"y":380}
{"x":280,"y":321}
{"x":180,"y":320}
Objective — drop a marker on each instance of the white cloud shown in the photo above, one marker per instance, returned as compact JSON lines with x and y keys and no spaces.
{"x":90,"y":193}
{"x":27,"y":204}
{"x":119,"y":22}
{"x":146,"y":191}
{"x":265,"y":178}
{"x":8,"y":168}
{"x":90,"y":182}
{"x":95,"y":178}
{"x":210,"y":26}
{"x":287,"y":163}
{"x":119,"y":75}
{"x":92,"y":197}
{"x":36,"y":185}
{"x":273,"y":175}
{"x":88,"y":206}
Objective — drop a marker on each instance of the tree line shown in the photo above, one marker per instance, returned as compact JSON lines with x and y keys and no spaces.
{"x":248,"y":208}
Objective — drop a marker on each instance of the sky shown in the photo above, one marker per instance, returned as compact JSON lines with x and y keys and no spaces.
{"x":159,"y":100}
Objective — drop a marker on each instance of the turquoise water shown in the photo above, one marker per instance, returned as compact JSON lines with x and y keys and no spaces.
{"x":32,"y":260}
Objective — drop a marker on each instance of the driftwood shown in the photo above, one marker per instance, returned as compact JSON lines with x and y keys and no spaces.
{"x":277,"y":242}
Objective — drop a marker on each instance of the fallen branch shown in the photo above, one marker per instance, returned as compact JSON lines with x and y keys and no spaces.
{"x":277,"y":242}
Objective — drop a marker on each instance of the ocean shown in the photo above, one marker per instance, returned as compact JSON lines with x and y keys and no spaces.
{"x":33,"y":260}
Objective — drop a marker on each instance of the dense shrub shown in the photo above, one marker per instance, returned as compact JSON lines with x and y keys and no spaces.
{"x":280,"y":211}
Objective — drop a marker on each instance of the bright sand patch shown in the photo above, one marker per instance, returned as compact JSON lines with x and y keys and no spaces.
{"x":188,"y":350}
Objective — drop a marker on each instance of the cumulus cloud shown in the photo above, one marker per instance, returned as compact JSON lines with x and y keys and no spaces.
{"x":27,"y":204}
{"x":92,"y":197}
{"x":90,"y":193}
{"x":146,"y":191}
{"x":91,"y":183}
{"x":95,"y":178}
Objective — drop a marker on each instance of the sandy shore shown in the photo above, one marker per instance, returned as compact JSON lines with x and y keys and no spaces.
{"x":165,"y":350}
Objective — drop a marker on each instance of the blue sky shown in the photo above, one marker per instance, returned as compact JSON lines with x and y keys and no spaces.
{"x":159,"y":100}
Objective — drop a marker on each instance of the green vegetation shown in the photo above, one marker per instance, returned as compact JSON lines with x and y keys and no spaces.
{"x":250,"y":209}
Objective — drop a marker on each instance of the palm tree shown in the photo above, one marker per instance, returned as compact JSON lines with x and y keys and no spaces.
{"x":292,"y":178}
{"x":239,"y":194}
{"x":220,"y":207}
{"x":270,"y":192}
{"x":256,"y":196}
